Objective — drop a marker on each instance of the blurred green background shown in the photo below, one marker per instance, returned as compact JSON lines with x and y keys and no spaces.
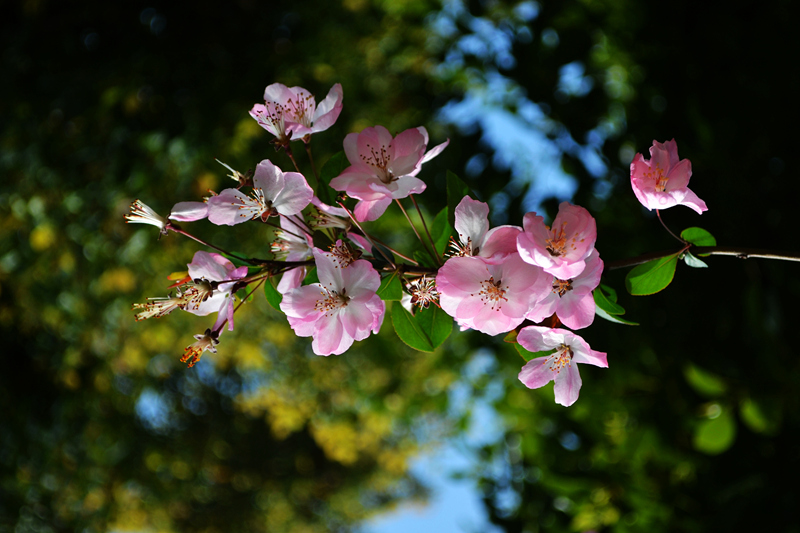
{"x":694,"y":426}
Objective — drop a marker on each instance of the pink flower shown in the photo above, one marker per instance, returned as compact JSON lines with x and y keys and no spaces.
{"x":274,"y":193}
{"x":663,"y":181}
{"x":562,"y":250}
{"x":342,"y":308}
{"x":292,"y":243}
{"x":492,"y":298}
{"x":214,"y":279}
{"x":383,"y":168}
{"x":571,"y":300}
{"x":561,"y":365}
{"x":475,"y":237}
{"x":291,"y":113}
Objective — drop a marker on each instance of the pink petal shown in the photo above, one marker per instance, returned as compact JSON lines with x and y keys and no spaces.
{"x":189,"y":211}
{"x":472,"y":221}
{"x":330,"y":337}
{"x":295,"y":196}
{"x":232,"y":207}
{"x":536,"y":373}
{"x":692,"y":201}
{"x":567,"y":385}
{"x":371,"y":210}
{"x":269,"y":179}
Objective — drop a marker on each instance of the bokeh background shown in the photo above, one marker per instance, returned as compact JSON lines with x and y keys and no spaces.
{"x":694,"y":427}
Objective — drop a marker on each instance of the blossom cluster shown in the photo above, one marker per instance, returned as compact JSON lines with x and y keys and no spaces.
{"x":530,"y":279}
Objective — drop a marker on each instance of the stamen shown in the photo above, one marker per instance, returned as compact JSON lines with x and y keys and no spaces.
{"x":562,"y":358}
{"x":493,"y":292}
{"x":423,"y":292}
{"x":561,"y":287}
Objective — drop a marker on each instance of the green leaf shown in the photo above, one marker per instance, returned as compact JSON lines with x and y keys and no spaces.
{"x":391,"y":288}
{"x":602,"y":301}
{"x":611,"y":293}
{"x":757,"y":417}
{"x":716,"y":435}
{"x":698,"y":237}
{"x":435,"y":323}
{"x":703,"y":381}
{"x":423,"y":258}
{"x":613,"y":318}
{"x":332,"y":168}
{"x":409,"y":331}
{"x":441,"y":232}
{"x":274,"y":298}
{"x":456,"y":191}
{"x":693,"y":262}
{"x":652,"y":276}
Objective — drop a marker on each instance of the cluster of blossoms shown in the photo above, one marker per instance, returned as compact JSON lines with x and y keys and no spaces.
{"x":530,"y":279}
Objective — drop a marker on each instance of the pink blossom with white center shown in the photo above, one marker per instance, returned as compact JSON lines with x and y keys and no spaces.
{"x":562,"y":365}
{"x":342,"y":308}
{"x":561,"y":250}
{"x":475,"y":237}
{"x":662,"y":181}
{"x":571,"y":300}
{"x":383,"y":168}
{"x":291,"y":113}
{"x":492,"y":298}
{"x":292,"y":243}
{"x":274,"y":193}
{"x":214,"y":278}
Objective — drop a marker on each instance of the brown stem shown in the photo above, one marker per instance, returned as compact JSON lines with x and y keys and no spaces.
{"x":741,"y":253}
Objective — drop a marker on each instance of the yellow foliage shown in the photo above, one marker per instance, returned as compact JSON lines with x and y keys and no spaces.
{"x":117,"y":280}
{"x":337,"y":439}
{"x":43,"y":237}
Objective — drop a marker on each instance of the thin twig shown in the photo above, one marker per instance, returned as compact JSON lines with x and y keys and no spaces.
{"x":658,"y":214}
{"x":424,"y":244}
{"x":177,"y":229}
{"x":741,"y":253}
{"x":313,"y":166}
{"x":367,"y":236}
{"x":424,"y":225}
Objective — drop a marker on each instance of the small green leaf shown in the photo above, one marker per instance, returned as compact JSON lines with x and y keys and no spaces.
{"x":456,"y":191}
{"x":757,"y":417}
{"x":602,"y":301}
{"x":716,"y":435}
{"x":435,"y":323}
{"x":441,"y":232}
{"x":613,"y":318}
{"x":611,"y":293}
{"x":703,"y":381}
{"x":274,"y":298}
{"x":391,"y":288}
{"x":693,"y":262}
{"x":698,"y":237}
{"x":409,"y":331}
{"x":332,"y":168}
{"x":652,"y":276}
